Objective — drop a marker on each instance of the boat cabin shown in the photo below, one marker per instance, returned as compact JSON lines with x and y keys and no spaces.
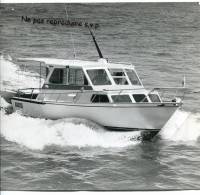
{"x":88,"y":75}
{"x":101,"y":82}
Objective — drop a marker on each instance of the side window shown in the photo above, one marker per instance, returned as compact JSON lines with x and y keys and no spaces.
{"x":77,"y":77}
{"x":98,"y":98}
{"x":121,"y":98}
{"x":154,"y":97}
{"x":118,"y":76}
{"x":140,"y":98}
{"x":57,"y":76}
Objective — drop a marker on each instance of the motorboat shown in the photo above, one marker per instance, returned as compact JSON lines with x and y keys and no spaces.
{"x":108,"y":93}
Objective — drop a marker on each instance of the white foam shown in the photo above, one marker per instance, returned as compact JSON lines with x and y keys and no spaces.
{"x":183,"y":126}
{"x":38,"y":133}
{"x":3,"y":103}
{"x":12,"y":77}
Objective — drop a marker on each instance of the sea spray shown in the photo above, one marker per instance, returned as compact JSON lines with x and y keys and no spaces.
{"x":12,"y":77}
{"x":3,"y":103}
{"x":182,"y":126}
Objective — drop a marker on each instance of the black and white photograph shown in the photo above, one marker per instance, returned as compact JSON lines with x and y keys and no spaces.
{"x":100,"y":96}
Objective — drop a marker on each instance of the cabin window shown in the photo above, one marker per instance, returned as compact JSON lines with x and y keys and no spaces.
{"x":77,"y":77}
{"x":121,"y":98}
{"x":140,"y":98}
{"x":68,"y":76}
{"x":118,"y":76}
{"x":99,"y":98}
{"x":57,"y":76}
{"x":154,"y":98}
{"x":99,"y":77}
{"x":133,"y":77}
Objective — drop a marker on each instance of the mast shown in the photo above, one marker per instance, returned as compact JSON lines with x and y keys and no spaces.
{"x":96,"y":45}
{"x":40,"y":76}
{"x":67,"y":16}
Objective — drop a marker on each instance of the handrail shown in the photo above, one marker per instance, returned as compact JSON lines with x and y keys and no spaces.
{"x":104,"y":90}
{"x":59,"y":94}
{"x":175,"y":88}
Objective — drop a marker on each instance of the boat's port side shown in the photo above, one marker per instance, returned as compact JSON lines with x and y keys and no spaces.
{"x":125,"y":116}
{"x":27,"y":106}
{"x":27,"y":95}
{"x":110,"y":95}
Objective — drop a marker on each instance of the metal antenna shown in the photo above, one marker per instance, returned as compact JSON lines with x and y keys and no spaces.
{"x":40,"y":76}
{"x":184,"y":77}
{"x":184,"y":81}
{"x":71,"y":33}
{"x":96,"y":45}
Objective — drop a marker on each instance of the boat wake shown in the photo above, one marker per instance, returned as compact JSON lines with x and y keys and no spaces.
{"x":39,"y":133}
{"x":12,"y":77}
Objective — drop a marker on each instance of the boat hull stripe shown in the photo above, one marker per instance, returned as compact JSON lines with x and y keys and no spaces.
{"x":147,"y":105}
{"x":129,"y":129}
{"x":27,"y":100}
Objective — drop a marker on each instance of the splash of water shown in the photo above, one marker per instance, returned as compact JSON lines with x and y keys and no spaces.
{"x":3,"y":103}
{"x":182,"y":126}
{"x":12,"y":77}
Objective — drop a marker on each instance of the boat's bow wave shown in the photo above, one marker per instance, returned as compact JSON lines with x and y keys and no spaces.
{"x":182,"y":127}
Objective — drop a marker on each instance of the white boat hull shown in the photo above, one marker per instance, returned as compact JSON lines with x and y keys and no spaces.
{"x":113,"y":116}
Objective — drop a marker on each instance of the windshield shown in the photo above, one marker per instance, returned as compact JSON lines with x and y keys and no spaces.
{"x":133,"y":77}
{"x":57,"y":76}
{"x":99,"y":77}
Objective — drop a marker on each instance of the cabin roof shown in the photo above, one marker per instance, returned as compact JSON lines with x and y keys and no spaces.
{"x":81,"y":63}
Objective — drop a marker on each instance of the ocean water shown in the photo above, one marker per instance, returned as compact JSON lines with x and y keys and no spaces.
{"x":162,"y":40}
